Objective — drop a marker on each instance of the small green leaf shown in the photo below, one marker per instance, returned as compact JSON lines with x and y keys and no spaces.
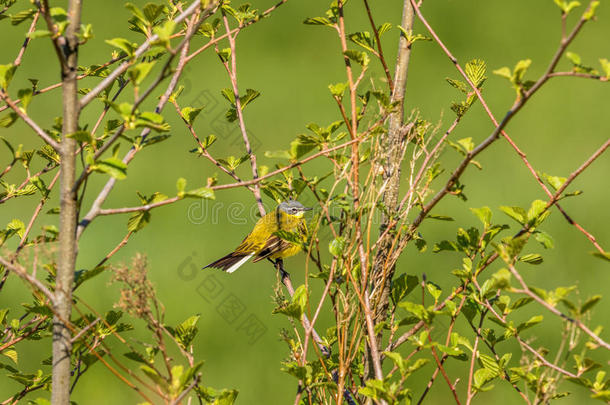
{"x":26,"y":97}
{"x":165,"y":31}
{"x":190,"y":113}
{"x":516,"y":213}
{"x":402,"y":286}
{"x":602,"y":255}
{"x":113,"y":166}
{"x":138,"y":73}
{"x":181,"y":185}
{"x":484,"y":214}
{"x":590,"y":303}
{"x":359,"y":57}
{"x":336,"y":246}
{"x":123,"y":44}
{"x":590,"y":13}
{"x":532,"y":258}
{"x":6,"y":74}
{"x":534,"y":320}
{"x":606,"y":67}
{"x":318,"y":21}
{"x":203,"y":192}
{"x":296,"y":307}
{"x":81,"y":136}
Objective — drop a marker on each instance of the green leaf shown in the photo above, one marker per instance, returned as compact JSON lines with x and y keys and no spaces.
{"x":123,"y":44}
{"x":247,"y":98}
{"x":318,"y":21}
{"x":589,"y":304}
{"x":203,"y":192}
{"x":483,"y":376}
{"x":138,"y":221}
{"x":590,"y":13}
{"x":113,"y":166}
{"x":152,"y":120}
{"x":363,"y":39}
{"x":296,"y":307}
{"x":532,"y":258}
{"x":440,"y":217}
{"x":336,"y":246}
{"x":534,"y":320}
{"x":81,"y":276}
{"x":138,"y":73}
{"x":338,"y":89}
{"x":26,"y":97}
{"x":516,"y":213}
{"x":190,"y":113}
{"x":555,"y":181}
{"x":544,"y":239}
{"x":606,"y":67}
{"x":602,"y":255}
{"x":181,"y":185}
{"x":537,"y":213}
{"x":402,"y":286}
{"x":359,"y":57}
{"x":461,"y":86}
{"x":165,"y":31}
{"x":484,"y":215}
{"x":39,"y":183}
{"x":6,"y":74}
{"x":504,"y":72}
{"x":39,"y":34}
{"x":8,"y":119}
{"x":81,"y":136}
{"x":475,"y":70}
{"x":574,"y":58}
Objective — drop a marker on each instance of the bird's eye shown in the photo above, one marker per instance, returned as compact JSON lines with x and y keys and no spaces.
{"x":294,"y":210}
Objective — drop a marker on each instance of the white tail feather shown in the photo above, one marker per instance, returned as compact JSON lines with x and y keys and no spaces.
{"x":239,"y":263}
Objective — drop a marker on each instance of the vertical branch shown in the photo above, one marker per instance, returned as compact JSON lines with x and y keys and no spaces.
{"x":62,"y":344}
{"x":232,"y":71}
{"x":392,"y":147}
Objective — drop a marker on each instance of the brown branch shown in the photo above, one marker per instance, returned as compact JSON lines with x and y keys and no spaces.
{"x":405,"y":336}
{"x":68,"y":212}
{"x":27,"y":39}
{"x":525,"y":290}
{"x":204,"y":150}
{"x":194,"y":7}
{"x":232,"y":72}
{"x":379,"y":47}
{"x":101,"y":197}
{"x":33,"y":281}
{"x":580,"y":74}
{"x":520,"y":102}
{"x":59,"y":84}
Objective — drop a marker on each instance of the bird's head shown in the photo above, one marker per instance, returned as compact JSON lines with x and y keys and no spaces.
{"x":292,"y":207}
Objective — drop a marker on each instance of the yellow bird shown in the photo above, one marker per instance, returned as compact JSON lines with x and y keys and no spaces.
{"x":262,"y":243}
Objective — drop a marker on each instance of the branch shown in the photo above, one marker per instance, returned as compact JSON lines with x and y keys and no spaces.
{"x":232,"y":71}
{"x":194,"y":7}
{"x":39,"y":131}
{"x":22,"y":272}
{"x":520,"y":102}
{"x":525,"y":290}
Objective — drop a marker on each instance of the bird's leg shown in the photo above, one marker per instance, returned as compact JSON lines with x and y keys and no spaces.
{"x":279,"y":265}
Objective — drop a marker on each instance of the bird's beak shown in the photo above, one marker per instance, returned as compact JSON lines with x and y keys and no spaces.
{"x":307,"y":208}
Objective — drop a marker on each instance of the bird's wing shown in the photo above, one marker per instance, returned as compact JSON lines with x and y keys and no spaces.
{"x":274,"y":244}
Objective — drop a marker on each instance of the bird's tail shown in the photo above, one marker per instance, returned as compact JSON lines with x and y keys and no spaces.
{"x":230,"y":262}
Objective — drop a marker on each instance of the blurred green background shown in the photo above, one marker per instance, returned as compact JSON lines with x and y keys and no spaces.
{"x":291,"y":64}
